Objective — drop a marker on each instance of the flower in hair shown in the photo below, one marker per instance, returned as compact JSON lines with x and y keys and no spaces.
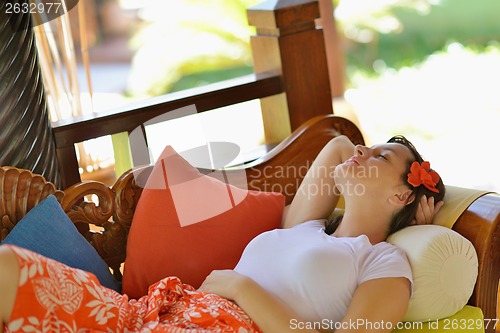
{"x":420,"y":174}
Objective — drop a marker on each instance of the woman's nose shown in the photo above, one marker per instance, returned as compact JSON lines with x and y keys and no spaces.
{"x":361,"y":150}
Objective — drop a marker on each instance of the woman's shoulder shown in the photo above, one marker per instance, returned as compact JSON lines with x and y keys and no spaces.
{"x":385,"y":251}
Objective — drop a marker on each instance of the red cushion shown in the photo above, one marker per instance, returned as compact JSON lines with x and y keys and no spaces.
{"x":187,"y":224}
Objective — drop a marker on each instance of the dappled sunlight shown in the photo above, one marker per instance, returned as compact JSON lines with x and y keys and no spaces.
{"x":193,"y":38}
{"x":375,"y":15}
{"x":448,"y":106}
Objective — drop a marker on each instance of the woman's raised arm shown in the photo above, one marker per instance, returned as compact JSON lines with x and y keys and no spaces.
{"x":317,"y":196}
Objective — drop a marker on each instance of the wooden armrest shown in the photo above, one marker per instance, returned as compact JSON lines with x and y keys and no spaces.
{"x":21,"y":190}
{"x":480,"y":224}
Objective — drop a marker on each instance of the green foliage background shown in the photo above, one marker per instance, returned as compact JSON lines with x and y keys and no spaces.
{"x":474,"y":24}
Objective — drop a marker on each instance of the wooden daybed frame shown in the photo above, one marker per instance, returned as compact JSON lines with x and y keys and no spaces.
{"x":22,"y":190}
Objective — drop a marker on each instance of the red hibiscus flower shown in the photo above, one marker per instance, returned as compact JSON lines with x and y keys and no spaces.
{"x":420,"y":174}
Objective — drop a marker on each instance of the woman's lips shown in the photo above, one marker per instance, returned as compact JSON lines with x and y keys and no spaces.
{"x":353,"y":159}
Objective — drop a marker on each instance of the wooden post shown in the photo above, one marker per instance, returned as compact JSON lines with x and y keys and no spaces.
{"x":334,"y":50}
{"x":288,"y":42}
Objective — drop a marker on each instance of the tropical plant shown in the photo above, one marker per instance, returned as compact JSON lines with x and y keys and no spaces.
{"x":186,"y":37}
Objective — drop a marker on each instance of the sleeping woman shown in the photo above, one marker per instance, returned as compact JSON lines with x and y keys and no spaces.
{"x":340,"y":272}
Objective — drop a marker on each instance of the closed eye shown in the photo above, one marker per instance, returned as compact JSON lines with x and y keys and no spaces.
{"x":382,"y":156}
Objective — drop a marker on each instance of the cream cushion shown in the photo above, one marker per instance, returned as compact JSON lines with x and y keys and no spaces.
{"x":444,"y":266}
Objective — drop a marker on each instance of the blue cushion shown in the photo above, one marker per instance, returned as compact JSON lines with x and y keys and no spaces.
{"x":47,"y":230}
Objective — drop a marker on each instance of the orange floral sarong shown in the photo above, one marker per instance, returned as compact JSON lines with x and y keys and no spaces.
{"x":53,"y":297}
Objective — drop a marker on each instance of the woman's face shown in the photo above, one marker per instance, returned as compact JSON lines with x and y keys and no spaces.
{"x":373,"y":169}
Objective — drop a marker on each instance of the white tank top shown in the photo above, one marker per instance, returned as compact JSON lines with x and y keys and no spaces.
{"x":314,"y":273}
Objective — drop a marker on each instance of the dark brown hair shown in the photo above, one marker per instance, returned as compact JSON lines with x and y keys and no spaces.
{"x":404,"y":217}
